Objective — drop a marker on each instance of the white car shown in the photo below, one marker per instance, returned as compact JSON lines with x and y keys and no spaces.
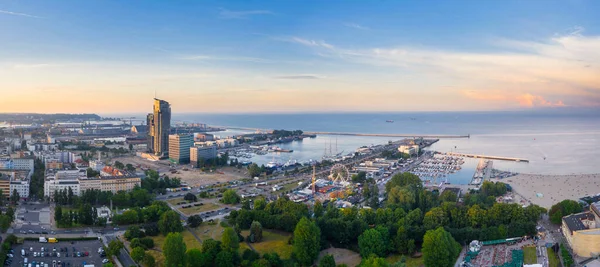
{"x":105,"y":261}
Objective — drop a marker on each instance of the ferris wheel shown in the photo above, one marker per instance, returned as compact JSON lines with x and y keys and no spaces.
{"x":339,"y":174}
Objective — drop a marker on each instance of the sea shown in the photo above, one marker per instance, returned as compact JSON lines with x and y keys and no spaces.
{"x":554,"y":142}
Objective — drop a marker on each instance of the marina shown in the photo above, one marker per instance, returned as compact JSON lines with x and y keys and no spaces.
{"x":438,"y":166}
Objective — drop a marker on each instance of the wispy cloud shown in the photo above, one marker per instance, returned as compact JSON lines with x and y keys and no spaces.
{"x":529,"y":100}
{"x":218,"y":58}
{"x":356,"y":26}
{"x":241,"y":14}
{"x":307,"y":42}
{"x":299,"y":77}
{"x":18,"y":14}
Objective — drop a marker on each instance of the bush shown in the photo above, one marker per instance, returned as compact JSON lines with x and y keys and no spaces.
{"x":147,"y":242}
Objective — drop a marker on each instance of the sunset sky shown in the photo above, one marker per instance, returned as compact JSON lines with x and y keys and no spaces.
{"x":292,"y":56}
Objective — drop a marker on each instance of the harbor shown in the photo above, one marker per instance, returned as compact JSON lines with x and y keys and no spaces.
{"x":487,"y":157}
{"x":438,"y":166}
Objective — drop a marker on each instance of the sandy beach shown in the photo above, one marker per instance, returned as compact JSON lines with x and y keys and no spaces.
{"x":553,"y":188}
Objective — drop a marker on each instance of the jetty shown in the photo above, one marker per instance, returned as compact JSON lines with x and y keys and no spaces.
{"x":438,"y":136}
{"x":486,"y":157}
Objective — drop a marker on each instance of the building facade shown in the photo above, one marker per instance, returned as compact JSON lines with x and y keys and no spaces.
{"x":159,"y":125}
{"x":120,"y":183}
{"x":582,"y":231}
{"x":179,"y":147}
{"x":205,"y":152}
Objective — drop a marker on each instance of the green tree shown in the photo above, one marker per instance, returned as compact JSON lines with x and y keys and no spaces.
{"x":190,"y":197}
{"x":225,"y":259}
{"x":374,"y":261}
{"x":256,"y":232}
{"x":119,"y":165}
{"x":129,"y":167}
{"x":327,"y":261}
{"x":230,"y":197}
{"x":254,"y":170}
{"x":194,"y":221}
{"x":230,"y":240}
{"x":149,"y":260}
{"x":371,"y":242}
{"x":434,"y":218}
{"x":211,"y":248}
{"x":194,"y":258}
{"x":58,"y":214}
{"x":174,"y":250}
{"x":307,"y":239}
{"x":318,"y":209}
{"x":439,"y":248}
{"x":563,"y":208}
{"x":137,"y":254}
{"x":169,"y":223}
{"x":260,"y":204}
{"x":114,"y":248}
{"x":15,"y":196}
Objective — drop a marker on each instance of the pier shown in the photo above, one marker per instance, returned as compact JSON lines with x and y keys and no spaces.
{"x":437,"y":136}
{"x":486,"y":157}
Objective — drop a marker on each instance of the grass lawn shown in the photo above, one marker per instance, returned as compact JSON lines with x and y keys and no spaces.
{"x":272,"y":242}
{"x":198,"y":209}
{"x":410,"y":262}
{"x":529,"y":255}
{"x":206,"y":231}
{"x":289,"y":187}
{"x":553,"y":258}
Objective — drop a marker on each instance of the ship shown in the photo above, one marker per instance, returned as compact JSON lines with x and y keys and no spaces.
{"x":389,"y":121}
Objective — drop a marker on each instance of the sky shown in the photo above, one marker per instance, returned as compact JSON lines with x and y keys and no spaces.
{"x":298,"y":56}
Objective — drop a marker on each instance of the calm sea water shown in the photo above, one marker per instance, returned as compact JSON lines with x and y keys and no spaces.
{"x":569,"y":141}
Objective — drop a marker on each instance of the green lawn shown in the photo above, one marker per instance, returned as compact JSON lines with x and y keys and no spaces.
{"x":174,"y":201}
{"x":529,"y":255}
{"x":272,"y":242}
{"x":206,"y":231}
{"x":410,"y":262}
{"x":553,"y":258}
{"x":197,"y":209}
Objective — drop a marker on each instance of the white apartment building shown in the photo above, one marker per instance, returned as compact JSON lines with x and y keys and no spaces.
{"x":21,"y":185}
{"x":23,"y":164}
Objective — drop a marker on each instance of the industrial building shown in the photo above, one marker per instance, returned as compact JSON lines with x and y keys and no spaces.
{"x":159,"y":124}
{"x":582,"y":231}
{"x":179,"y":147}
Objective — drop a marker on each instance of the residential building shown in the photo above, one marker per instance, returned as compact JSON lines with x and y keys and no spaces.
{"x":120,"y":183}
{"x":97,"y":165}
{"x":23,"y":163}
{"x":90,"y":183}
{"x":179,"y":147}
{"x":21,"y":184}
{"x":205,"y":152}
{"x":5,"y":183}
{"x":582,"y":231}
{"x":159,"y":123}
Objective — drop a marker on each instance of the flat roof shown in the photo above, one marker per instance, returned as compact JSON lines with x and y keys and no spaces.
{"x":574,"y":221}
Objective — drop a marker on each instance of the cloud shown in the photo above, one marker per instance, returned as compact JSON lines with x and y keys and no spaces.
{"x":241,"y":14}
{"x":307,"y":42}
{"x":517,"y":72}
{"x":34,"y":66}
{"x":529,"y":100}
{"x":217,"y":58}
{"x":299,"y":77}
{"x":18,"y":14}
{"x":356,"y":26}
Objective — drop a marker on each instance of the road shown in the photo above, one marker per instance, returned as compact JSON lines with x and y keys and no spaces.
{"x":124,"y":257}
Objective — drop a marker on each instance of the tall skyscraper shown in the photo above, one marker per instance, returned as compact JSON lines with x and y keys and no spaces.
{"x":159,"y":124}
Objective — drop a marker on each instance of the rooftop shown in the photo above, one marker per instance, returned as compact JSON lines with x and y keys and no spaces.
{"x":574,"y":222}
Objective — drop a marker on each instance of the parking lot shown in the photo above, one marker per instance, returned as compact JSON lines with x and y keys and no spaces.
{"x":68,"y":253}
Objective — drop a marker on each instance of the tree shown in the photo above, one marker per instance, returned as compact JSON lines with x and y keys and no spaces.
{"x":169,"y":223}
{"x":307,"y":240}
{"x":174,"y":250}
{"x":225,"y":259}
{"x":114,"y":248}
{"x":194,"y":221}
{"x":119,"y":165}
{"x":230,"y":197}
{"x":149,"y":260}
{"x":434,"y":218}
{"x":190,"y":197}
{"x":230,"y":240}
{"x":256,"y":234}
{"x":254,"y":170}
{"x":374,"y":261}
{"x":440,"y":248}
{"x":563,"y":208}
{"x":129,"y":167}
{"x":194,"y":258}
{"x":211,"y":248}
{"x":137,"y":254}
{"x":15,"y":196}
{"x":327,"y":261}
{"x":58,"y":214}
{"x":260,"y":204}
{"x":371,"y":242}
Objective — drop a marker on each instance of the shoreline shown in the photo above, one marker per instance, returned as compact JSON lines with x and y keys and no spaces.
{"x":546,"y":190}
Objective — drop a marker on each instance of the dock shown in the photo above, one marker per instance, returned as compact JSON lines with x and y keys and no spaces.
{"x":437,"y":136}
{"x":486,"y":157}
